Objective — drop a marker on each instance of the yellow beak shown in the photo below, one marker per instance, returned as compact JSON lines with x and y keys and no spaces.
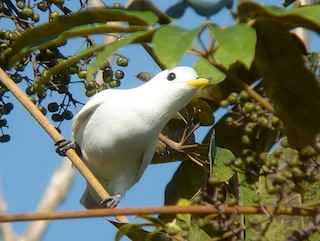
{"x":198,"y":82}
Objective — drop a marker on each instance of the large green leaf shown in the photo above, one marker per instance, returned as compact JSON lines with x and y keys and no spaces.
{"x":205,"y":69}
{"x":108,"y":50}
{"x":239,"y":41}
{"x":307,"y":16}
{"x":172,"y":42}
{"x":46,"y":32}
{"x":291,"y":86}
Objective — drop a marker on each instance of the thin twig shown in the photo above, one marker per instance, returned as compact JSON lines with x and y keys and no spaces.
{"x":203,"y":209}
{"x":56,"y":136}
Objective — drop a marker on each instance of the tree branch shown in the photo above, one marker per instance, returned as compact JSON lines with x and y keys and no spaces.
{"x":55,"y":135}
{"x":197,"y":209}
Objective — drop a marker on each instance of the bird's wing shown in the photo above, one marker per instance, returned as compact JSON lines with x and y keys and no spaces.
{"x":147,"y":157}
{"x":85,"y":112}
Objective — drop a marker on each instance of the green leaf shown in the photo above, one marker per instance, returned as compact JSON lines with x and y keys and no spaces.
{"x":197,"y":234}
{"x":49,"y":31}
{"x":239,"y":41}
{"x":307,"y":16}
{"x":172,"y":42}
{"x":205,"y":69}
{"x":288,"y":81}
{"x":107,"y":51}
{"x":224,"y":58}
{"x":219,"y":170}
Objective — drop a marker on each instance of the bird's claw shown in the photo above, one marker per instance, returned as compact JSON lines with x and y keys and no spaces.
{"x":111,"y":201}
{"x":64,"y":145}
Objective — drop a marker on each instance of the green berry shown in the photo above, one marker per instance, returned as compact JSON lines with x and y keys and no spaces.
{"x":275,"y":120}
{"x":248,"y":129}
{"x":8,"y":107}
{"x":254,"y":116}
{"x":53,"y":107}
{"x":82,"y":74}
{"x":114,"y":83}
{"x":101,"y":88}
{"x":244,"y":95}
{"x":263,"y":121}
{"x":67,"y":114}
{"x":233,"y":97}
{"x":58,"y":2}
{"x":224,"y":103}
{"x":238,"y":162}
{"x":245,"y":140}
{"x":36,"y":17}
{"x":4,"y":138}
{"x":42,"y":6}
{"x":249,"y":106}
{"x":42,"y":94}
{"x":273,"y":189}
{"x":42,"y":109}
{"x":57,"y":117}
{"x":122,"y":61}
{"x":53,"y":15}
{"x":90,"y":93}
{"x":20,"y":4}
{"x":16,"y":78}
{"x":107,"y":75}
{"x":229,"y":120}
{"x":284,"y":142}
{"x":3,"y":122}
{"x":27,"y":12}
{"x":33,"y":100}
{"x":106,"y":64}
{"x":232,"y":202}
{"x":90,"y":85}
{"x":118,"y":5}
{"x":119,"y":74}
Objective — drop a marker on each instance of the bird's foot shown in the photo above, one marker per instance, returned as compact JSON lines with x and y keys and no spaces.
{"x":112,"y":201}
{"x":64,"y":145}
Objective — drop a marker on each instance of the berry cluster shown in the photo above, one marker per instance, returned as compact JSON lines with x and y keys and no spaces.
{"x":25,"y":15}
{"x":256,"y":125}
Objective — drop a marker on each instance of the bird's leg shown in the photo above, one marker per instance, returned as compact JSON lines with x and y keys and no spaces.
{"x":111,"y":201}
{"x":64,"y":145}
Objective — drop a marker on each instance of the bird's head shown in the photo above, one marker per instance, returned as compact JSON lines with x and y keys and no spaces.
{"x":180,"y":78}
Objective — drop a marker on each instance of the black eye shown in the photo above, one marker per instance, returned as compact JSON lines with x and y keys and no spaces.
{"x":171,"y":76}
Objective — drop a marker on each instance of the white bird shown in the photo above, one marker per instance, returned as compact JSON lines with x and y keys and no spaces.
{"x":117,"y":130}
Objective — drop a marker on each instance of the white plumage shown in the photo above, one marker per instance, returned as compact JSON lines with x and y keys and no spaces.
{"x":117,"y":130}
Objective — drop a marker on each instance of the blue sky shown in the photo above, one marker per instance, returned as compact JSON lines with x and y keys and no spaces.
{"x":28,"y":160}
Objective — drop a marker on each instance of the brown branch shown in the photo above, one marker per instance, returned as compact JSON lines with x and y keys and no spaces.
{"x":281,"y":210}
{"x":55,"y":135}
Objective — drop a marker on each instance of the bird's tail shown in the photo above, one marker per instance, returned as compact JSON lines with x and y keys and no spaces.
{"x":87,"y":200}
